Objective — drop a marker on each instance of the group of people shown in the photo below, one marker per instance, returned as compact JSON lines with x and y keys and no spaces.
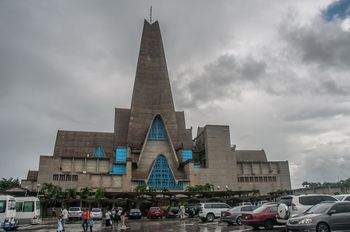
{"x":114,"y":215}
{"x":88,"y":222}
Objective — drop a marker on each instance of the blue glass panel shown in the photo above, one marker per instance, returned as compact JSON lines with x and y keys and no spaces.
{"x":157,"y":131}
{"x":119,"y":169}
{"x":196,"y":165}
{"x":162,"y":177}
{"x":120,"y":154}
{"x":186,"y":155}
{"x":99,"y":152}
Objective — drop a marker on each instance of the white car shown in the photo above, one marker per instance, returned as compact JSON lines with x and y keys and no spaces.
{"x":342,"y":197}
{"x":75,"y":213}
{"x":210,"y":211}
{"x":96,"y":214}
{"x":294,"y":205}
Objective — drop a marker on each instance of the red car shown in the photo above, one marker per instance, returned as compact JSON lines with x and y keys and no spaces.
{"x":264,"y":216}
{"x":155,"y":212}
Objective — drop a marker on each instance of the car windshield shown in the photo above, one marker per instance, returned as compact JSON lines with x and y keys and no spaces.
{"x":319,"y":209}
{"x":134,"y":210}
{"x":260,"y":209}
{"x":286,"y":200}
{"x":339,"y":197}
{"x":74,"y":209}
{"x":96,"y":210}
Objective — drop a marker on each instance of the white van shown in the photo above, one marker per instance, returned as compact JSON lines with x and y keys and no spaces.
{"x":28,"y":210}
{"x":8,"y":212}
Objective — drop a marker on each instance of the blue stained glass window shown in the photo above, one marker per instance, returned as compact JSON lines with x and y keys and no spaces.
{"x":157,"y":131}
{"x":119,"y":169}
{"x":186,"y":155}
{"x":162,"y":177}
{"x":99,"y":152}
{"x":120,"y":154}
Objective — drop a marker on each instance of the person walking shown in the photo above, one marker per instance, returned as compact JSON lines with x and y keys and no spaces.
{"x":86,"y":218}
{"x":64,"y":215}
{"x":91,"y":224}
{"x":59,"y":224}
{"x":182,"y":211}
{"x":108,"y":219}
{"x":122,"y":219}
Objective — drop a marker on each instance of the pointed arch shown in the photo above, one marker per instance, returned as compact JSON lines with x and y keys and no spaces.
{"x":157,"y":130}
{"x":99,"y":152}
{"x":161,"y":175}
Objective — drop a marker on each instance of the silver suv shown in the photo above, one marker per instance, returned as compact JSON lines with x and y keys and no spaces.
{"x":74,"y":213}
{"x":210,"y":211}
{"x":290,"y":206}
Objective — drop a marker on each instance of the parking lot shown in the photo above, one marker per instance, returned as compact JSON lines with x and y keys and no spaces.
{"x":147,"y":225}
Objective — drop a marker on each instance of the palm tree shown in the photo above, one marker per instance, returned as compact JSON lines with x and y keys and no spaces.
{"x":99,"y":195}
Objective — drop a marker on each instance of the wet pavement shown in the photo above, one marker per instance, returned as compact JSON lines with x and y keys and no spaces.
{"x":173,"y":225}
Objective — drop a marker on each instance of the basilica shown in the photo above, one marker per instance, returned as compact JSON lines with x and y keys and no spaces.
{"x":152,"y":145}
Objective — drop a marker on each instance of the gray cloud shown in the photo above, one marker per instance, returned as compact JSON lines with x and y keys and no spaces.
{"x":323,"y":43}
{"x":220,"y":78}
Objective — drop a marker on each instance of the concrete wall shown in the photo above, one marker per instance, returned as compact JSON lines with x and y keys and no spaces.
{"x":221,"y":162}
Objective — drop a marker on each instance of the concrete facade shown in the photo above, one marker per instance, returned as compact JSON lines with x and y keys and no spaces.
{"x":89,"y":159}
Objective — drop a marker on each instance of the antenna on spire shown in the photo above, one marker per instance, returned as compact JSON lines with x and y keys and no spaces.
{"x":150,"y":15}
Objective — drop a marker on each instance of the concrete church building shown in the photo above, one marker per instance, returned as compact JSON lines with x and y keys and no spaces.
{"x":151,"y":145}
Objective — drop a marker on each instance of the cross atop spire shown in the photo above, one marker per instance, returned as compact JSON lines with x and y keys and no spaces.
{"x":150,"y":15}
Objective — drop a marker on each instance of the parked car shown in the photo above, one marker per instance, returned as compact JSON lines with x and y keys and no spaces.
{"x":294,"y":205}
{"x":326,"y":216}
{"x":192,"y":209}
{"x":135,"y":214}
{"x":173,"y":212}
{"x":74,"y":213}
{"x":96,"y":214}
{"x":245,"y":203}
{"x":210,"y":211}
{"x":234,"y":215}
{"x":342,"y":197}
{"x":260,"y":203}
{"x":155,"y":212}
{"x":264,"y":216}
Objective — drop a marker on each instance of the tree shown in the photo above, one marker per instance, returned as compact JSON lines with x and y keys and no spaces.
{"x":99,"y":195}
{"x":85,"y":192}
{"x":6,"y":184}
{"x":52,"y":192}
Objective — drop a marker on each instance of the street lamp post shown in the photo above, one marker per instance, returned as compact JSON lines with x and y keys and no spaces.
{"x":37,"y":189}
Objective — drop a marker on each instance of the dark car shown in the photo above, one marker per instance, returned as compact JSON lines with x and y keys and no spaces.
{"x":135,"y":214}
{"x":173,"y":212}
{"x":155,"y":212}
{"x":192,"y":210}
{"x":264,"y":216}
{"x":325,"y":216}
{"x":234,"y":215}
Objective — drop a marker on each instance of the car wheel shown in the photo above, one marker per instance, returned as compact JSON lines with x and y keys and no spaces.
{"x":268,"y":225}
{"x":239,"y":220}
{"x":210,"y":217}
{"x":322,"y":227}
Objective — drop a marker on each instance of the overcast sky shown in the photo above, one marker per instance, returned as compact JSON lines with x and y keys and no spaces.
{"x":277,"y":72}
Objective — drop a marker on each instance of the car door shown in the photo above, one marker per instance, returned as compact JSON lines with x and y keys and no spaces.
{"x":338,"y":219}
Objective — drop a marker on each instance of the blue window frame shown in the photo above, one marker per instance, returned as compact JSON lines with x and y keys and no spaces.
{"x":120,"y":154}
{"x":186,"y":155}
{"x":119,"y":169}
{"x":161,"y":176}
{"x":157,"y":131}
{"x":99,"y":152}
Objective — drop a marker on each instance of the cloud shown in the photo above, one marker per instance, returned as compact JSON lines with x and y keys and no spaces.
{"x":324,"y":44}
{"x":226,"y":76}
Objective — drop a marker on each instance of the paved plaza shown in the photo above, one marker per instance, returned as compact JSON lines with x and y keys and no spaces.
{"x":170,"y":225}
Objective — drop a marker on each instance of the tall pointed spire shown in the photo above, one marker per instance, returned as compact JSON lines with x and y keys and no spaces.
{"x":152,"y":91}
